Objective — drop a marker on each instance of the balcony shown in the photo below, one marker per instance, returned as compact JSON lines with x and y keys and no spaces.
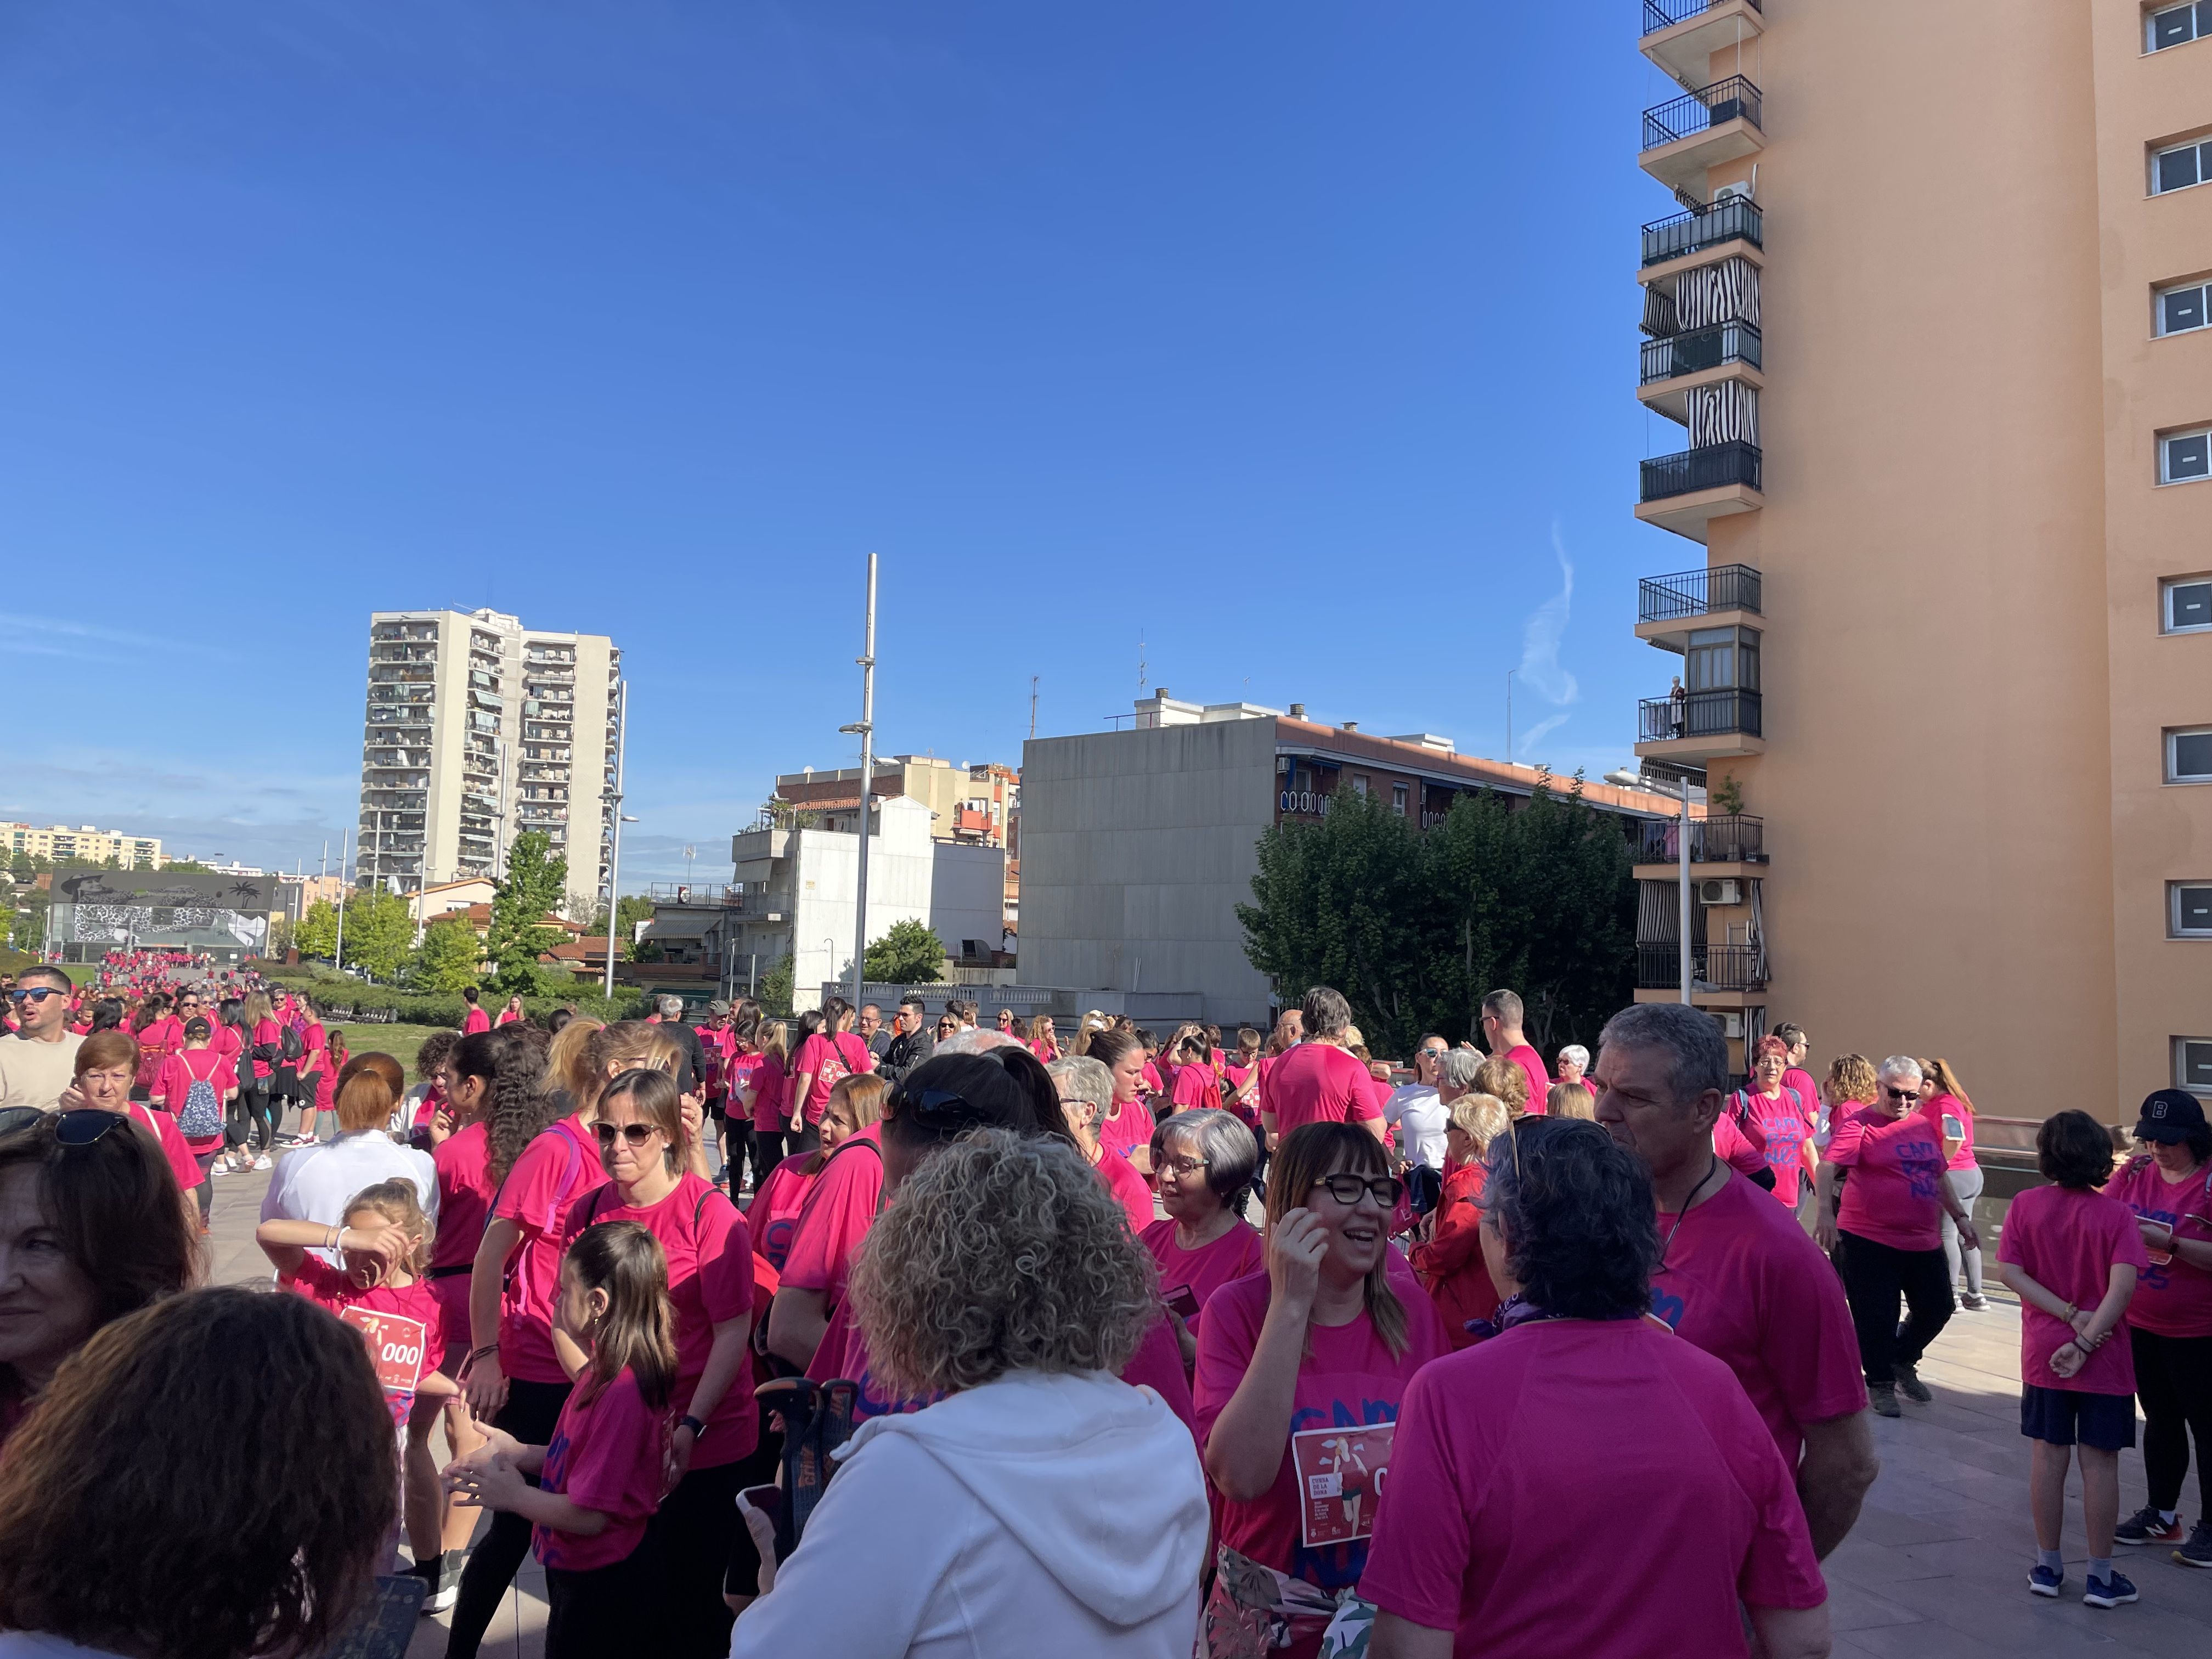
{"x":1700,"y":723}
{"x":1729,"y":838}
{"x":1686,"y":137}
{"x":1731,"y":219}
{"x":1669,"y":607}
{"x":1686,"y":491}
{"x":1712,"y":967}
{"x":1673,"y":365}
{"x":1681,"y":36}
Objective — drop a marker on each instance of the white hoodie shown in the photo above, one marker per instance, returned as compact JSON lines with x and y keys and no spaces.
{"x":1035,"y":1515}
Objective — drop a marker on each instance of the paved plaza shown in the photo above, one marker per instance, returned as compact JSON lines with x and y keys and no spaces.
{"x":1936,"y":1568}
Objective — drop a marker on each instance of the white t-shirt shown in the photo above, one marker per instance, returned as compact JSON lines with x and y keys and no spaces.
{"x":34,"y":1073}
{"x":1420,"y":1119}
{"x":45,"y":1644}
{"x":315,"y":1183}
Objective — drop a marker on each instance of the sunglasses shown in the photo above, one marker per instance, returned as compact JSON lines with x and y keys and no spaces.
{"x":943,"y":1104}
{"x":1347,"y":1189}
{"x":1903,"y":1094}
{"x":78,"y":1127}
{"x":37,"y":993}
{"x":636,"y":1134}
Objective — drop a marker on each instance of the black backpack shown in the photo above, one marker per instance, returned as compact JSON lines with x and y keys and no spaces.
{"x":290,"y":1045}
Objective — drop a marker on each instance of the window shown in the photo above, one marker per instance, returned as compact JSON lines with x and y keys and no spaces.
{"x":2189,"y":909}
{"x":1397,"y":799}
{"x":1722,"y":660}
{"x":2181,"y":309}
{"x":2188,"y":605}
{"x":2192,"y":1064}
{"x":2176,"y":25}
{"x":2189,"y":755}
{"x":2181,"y":166}
{"x":1359,"y":785}
{"x":2184,"y":456}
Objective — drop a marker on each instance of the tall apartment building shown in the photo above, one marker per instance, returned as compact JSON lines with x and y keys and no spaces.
{"x":1947,"y":622}
{"x":479,"y":729}
{"x":60,"y":841}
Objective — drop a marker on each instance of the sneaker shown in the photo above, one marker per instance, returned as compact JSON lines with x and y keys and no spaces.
{"x":1910,"y":1385}
{"x":2144,"y":1527}
{"x":262,"y":1162}
{"x":2109,"y":1592}
{"x":2198,"y":1551}
{"x":1882,"y":1397}
{"x":446,"y":1591}
{"x":2044,"y":1581}
{"x":1974,"y":1302}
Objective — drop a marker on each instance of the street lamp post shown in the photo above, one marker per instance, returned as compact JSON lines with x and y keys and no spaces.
{"x":866,"y":728}
{"x":614,"y":855}
{"x":345,"y":852}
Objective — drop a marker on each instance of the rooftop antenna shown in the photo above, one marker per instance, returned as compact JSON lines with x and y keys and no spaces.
{"x":1033,"y":695}
{"x":1141,"y":662}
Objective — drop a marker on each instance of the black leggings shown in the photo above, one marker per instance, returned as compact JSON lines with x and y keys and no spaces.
{"x":237,"y":1121}
{"x":1874,"y":1276}
{"x":206,"y":1188}
{"x":693,"y":1530}
{"x":2174,"y":1381}
{"x":531,"y":1410}
{"x":617,"y":1608}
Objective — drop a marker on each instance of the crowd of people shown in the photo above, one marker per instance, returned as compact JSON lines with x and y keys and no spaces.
{"x":1147,"y":1347}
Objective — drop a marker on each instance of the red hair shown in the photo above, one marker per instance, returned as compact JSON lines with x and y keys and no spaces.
{"x":1769,"y":1045}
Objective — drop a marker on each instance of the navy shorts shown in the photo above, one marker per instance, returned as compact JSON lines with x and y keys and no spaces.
{"x":2062,"y":1416}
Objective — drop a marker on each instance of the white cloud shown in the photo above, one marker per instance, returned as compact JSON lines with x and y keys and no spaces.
{"x":1527,"y":742}
{"x":1541,"y":637}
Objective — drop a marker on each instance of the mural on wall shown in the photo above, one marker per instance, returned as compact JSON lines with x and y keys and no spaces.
{"x":160,"y":908}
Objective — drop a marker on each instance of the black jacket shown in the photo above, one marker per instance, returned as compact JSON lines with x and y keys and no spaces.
{"x":904,"y":1054}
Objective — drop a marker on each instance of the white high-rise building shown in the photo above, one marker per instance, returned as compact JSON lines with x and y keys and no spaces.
{"x":478,"y":730}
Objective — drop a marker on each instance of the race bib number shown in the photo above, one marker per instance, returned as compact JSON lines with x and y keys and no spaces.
{"x":395,"y":1346}
{"x":1340,"y":1474}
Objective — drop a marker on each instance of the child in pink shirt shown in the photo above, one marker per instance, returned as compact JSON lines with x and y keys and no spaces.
{"x":602,"y":1475}
{"x":2072,"y":1254}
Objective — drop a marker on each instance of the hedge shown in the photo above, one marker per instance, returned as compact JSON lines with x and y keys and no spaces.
{"x":345,"y":998}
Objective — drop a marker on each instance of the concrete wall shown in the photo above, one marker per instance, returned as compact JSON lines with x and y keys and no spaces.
{"x":967,"y":895}
{"x":1136,"y":849}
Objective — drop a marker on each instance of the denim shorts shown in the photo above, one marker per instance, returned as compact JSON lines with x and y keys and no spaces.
{"x":2062,"y":1416}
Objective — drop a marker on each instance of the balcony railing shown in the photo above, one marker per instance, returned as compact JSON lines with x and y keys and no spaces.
{"x":1697,"y":592}
{"x":1731,"y":219}
{"x":1713,"y":467}
{"x":1708,"y":107}
{"x":1712,"y":967}
{"x":1665,"y":14}
{"x":1730,"y":838}
{"x":1673,"y":355}
{"x":1698,"y":715}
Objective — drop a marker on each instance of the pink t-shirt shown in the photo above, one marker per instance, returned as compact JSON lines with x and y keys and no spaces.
{"x":1961,"y":1123}
{"x":179,"y":1072}
{"x":813,"y":1058}
{"x":1741,"y":1280}
{"x":267,"y":1033}
{"x":1539,"y":1080}
{"x":1044,"y":1051}
{"x":771,"y":1083}
{"x":556,"y":1170}
{"x":507,"y":1017}
{"x":710,"y":1282}
{"x":1320,"y":1083}
{"x":1152,"y":1082}
{"x":1349,"y":1380}
{"x":1194,"y":1089}
{"x":1485,"y":1528}
{"x":400,"y":1354}
{"x":1897,"y":1172}
{"x":1205,"y":1270}
{"x":1740,"y":1142}
{"x":1786,"y":1122}
{"x":2068,"y":1240}
{"x":1130,"y":1128}
{"x":463,"y":1161}
{"x":839,"y":1210}
{"x":773,"y":1212}
{"x":1130,"y":1189}
{"x":2172,"y":1298}
{"x":477,"y":1020}
{"x":163,"y":1127}
{"x":608,"y":1453}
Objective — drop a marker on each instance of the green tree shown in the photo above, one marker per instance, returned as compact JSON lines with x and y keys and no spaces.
{"x":535,"y":883}
{"x":633,"y":908}
{"x":448,"y":957}
{"x":909,"y":954}
{"x":379,"y":932}
{"x":316,"y":932}
{"x":280,"y":936}
{"x":775,"y":989}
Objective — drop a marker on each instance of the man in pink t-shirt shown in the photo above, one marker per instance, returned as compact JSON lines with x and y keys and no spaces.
{"x":1501,"y":1028}
{"x":476,"y":1019}
{"x":1736,"y":1275}
{"x":1319,"y":1081}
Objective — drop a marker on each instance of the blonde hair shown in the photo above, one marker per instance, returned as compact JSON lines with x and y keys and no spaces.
{"x":1570,"y":1100}
{"x":630,"y":1045}
{"x":862,"y":1093}
{"x":775,"y":1043}
{"x":254,"y":1009}
{"x":1851,"y":1077}
{"x":568,"y":1062}
{"x":398,"y":1203}
{"x":1939,"y":1072}
{"x":1481,"y":1118}
{"x":1004,"y":1253}
{"x":1503,"y":1078}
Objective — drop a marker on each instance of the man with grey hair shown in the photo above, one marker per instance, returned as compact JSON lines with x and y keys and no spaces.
{"x":668,"y":1012}
{"x":1736,"y":1275}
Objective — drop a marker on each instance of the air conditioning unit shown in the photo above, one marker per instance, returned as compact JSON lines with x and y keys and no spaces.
{"x":1720,"y":890}
{"x":1732,"y":1026}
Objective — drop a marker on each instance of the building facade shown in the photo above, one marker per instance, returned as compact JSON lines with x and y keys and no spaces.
{"x":1932,"y":317}
{"x":1138,"y":844}
{"x":478,"y":730}
{"x":58,"y":841}
{"x":975,"y":805}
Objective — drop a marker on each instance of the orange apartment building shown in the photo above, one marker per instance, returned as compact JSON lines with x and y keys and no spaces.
{"x":1934,"y":321}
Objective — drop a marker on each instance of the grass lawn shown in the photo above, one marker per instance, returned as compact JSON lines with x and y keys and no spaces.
{"x":400,"y":1041}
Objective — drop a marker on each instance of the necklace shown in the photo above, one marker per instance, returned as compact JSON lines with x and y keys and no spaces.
{"x":1667,"y":1243}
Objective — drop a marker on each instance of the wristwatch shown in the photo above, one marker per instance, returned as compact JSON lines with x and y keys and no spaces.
{"x":698,"y":1428}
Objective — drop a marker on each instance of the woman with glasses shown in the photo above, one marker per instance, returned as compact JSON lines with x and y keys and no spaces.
{"x":1083,"y":1083}
{"x":641,"y":1137}
{"x":1888,"y":1226}
{"x":92,"y":1227}
{"x":1205,"y":1161}
{"x":1448,"y":1259}
{"x":1301,"y":1371}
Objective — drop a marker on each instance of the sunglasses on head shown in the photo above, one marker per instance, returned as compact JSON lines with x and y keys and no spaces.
{"x":79,"y":1126}
{"x":637,"y":1135}
{"x":942,"y":1105}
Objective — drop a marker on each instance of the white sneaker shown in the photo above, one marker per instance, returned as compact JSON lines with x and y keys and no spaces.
{"x":263,"y":1163}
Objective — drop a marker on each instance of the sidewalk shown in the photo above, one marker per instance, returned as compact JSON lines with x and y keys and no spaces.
{"x":1935,"y":1569}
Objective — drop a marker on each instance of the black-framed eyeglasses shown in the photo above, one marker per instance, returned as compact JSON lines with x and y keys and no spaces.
{"x":79,"y":1126}
{"x":1347,"y":1188}
{"x":38,"y":994}
{"x":637,"y":1135}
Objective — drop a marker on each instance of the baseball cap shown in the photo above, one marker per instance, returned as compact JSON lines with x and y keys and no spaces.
{"x":718,"y":1008}
{"x":2169,"y":1114}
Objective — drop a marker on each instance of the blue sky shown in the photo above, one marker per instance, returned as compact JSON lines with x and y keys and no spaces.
{"x":1293,"y":341}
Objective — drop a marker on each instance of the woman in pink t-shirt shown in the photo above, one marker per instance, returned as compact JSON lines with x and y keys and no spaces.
{"x":1784,"y":1123}
{"x":1126,"y":1129}
{"x":1891,"y":1164}
{"x":1943,"y":1100}
{"x":1205,"y":1160}
{"x":829,"y":1054}
{"x":766,"y":1096}
{"x":1301,"y":1371}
